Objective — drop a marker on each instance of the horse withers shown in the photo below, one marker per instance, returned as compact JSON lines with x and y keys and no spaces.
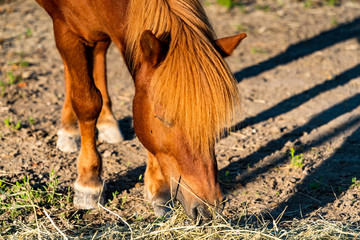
{"x":185,"y":94}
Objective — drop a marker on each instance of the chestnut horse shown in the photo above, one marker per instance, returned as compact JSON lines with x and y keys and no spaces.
{"x":185,"y":94}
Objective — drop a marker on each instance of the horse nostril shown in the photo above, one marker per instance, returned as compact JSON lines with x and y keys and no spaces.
{"x":200,"y":212}
{"x":204,"y":211}
{"x":193,"y":213}
{"x":220,"y":207}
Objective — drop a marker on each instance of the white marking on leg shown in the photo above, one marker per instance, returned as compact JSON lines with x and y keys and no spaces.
{"x":67,"y":141}
{"x":109,"y":133}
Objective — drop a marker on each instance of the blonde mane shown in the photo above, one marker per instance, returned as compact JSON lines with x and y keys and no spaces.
{"x":193,"y":86}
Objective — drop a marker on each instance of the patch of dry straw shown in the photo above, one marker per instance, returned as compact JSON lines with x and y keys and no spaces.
{"x":178,"y":226}
{"x":49,"y":222}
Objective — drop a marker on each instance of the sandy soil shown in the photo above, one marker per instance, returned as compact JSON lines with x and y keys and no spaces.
{"x":299,"y":75}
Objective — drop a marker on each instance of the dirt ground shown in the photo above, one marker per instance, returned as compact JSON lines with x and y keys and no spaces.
{"x":299,"y":76}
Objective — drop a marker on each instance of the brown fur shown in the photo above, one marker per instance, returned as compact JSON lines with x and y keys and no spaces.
{"x":193,"y":88}
{"x":185,"y":93}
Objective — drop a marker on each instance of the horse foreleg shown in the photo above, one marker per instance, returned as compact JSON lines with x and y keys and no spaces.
{"x":107,"y":125}
{"x":156,"y":188}
{"x":86,"y":102}
{"x":68,"y":135}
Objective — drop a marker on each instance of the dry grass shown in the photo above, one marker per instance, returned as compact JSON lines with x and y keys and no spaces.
{"x":176,"y":228}
{"x":27,"y":213}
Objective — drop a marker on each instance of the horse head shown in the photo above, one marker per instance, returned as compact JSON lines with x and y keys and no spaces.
{"x":175,"y":168}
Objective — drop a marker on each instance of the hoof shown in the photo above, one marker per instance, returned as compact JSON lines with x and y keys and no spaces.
{"x":109,"y":133}
{"x":86,"y":198}
{"x":68,"y":142}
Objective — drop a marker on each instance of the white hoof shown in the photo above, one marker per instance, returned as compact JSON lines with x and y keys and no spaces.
{"x":109,"y":133}
{"x":88,"y":198}
{"x":68,"y":142}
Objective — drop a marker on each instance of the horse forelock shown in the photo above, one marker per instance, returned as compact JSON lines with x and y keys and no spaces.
{"x":193,"y":85}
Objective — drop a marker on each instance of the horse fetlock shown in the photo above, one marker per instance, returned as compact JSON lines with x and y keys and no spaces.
{"x":88,"y":198}
{"x":68,"y":141}
{"x":109,"y":132}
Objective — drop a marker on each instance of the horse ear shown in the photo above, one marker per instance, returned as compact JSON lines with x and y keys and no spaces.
{"x":225,"y":46}
{"x":152,"y":48}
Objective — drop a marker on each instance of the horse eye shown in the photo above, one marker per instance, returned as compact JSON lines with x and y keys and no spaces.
{"x":166,"y":123}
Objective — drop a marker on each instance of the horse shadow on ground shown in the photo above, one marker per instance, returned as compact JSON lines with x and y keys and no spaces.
{"x":329,"y":180}
{"x":271,"y":147}
{"x":301,"y":49}
{"x":128,"y":180}
{"x":126,"y":128}
{"x":124,"y":182}
{"x":288,"y":105}
{"x":327,"y":174}
{"x":296,"y":100}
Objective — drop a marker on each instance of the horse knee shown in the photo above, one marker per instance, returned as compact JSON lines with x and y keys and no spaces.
{"x":87,"y":103}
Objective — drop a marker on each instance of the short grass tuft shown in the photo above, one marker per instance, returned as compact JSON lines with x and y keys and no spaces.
{"x":296,"y":160}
